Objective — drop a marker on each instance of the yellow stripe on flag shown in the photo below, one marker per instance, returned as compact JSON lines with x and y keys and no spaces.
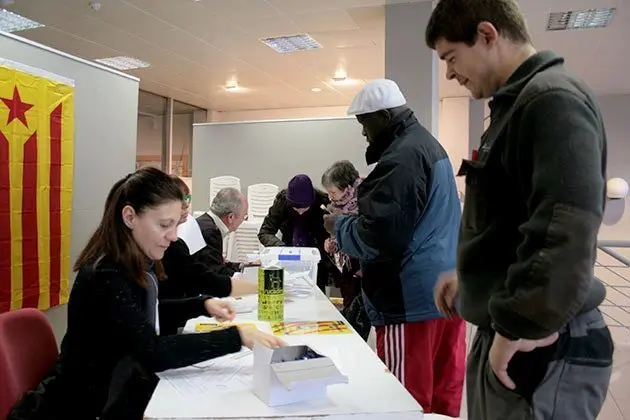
{"x":16,"y":155}
{"x":43,"y":200}
{"x":67,"y":175}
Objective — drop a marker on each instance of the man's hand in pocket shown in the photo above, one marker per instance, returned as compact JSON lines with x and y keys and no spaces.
{"x":503,"y":349}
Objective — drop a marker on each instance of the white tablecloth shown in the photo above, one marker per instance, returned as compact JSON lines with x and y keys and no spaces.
{"x":372,"y":392}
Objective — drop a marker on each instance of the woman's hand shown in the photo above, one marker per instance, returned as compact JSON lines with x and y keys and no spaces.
{"x":251,"y":336}
{"x":221,"y":310}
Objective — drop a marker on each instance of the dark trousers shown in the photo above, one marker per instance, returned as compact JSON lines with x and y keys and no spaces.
{"x":565,"y":381}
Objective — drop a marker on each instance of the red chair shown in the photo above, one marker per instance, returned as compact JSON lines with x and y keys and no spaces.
{"x":27,"y":350}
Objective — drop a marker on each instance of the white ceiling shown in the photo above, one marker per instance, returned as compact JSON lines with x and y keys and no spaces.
{"x":195,"y":47}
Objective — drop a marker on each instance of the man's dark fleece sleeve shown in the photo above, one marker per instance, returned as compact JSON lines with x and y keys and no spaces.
{"x":565,"y":188}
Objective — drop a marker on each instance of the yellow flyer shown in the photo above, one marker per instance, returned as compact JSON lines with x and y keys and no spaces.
{"x":310,"y":327}
{"x":202,"y":327}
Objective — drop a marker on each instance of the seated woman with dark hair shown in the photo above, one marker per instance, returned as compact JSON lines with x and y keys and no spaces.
{"x":297,"y":214}
{"x":112,"y":348}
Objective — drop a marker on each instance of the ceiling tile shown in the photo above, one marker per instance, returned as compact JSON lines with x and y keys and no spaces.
{"x":326,"y":61}
{"x":193,"y":49}
{"x":285,"y":71}
{"x":564,"y":5}
{"x":63,"y":41}
{"x":240,"y":44}
{"x":48,"y":13}
{"x":369,"y":17}
{"x":190,"y":17}
{"x":334,"y":20}
{"x":349,"y":39}
{"x":268,"y":27}
{"x":105,"y":34}
{"x":127,"y":17}
{"x":242,"y":9}
{"x":306,"y":6}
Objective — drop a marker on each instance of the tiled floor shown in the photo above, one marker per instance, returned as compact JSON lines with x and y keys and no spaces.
{"x":616,"y":310}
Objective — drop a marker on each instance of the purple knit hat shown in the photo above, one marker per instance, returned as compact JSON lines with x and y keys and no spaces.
{"x":300,"y":193}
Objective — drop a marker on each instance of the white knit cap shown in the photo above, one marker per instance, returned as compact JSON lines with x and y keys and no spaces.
{"x":375,"y":96}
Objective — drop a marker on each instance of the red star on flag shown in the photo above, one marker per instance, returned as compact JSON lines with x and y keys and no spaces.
{"x":17,"y":108}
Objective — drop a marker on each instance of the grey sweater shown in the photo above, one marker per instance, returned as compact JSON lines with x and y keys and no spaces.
{"x":534,"y":202}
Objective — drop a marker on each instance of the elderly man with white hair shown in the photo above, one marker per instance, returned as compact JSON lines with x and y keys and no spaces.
{"x":228,"y":211}
{"x":405,"y":235}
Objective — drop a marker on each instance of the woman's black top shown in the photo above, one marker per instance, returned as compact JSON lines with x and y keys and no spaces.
{"x":107,"y":324}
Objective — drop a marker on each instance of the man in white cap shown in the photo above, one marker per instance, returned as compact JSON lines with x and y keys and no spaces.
{"x":405,"y":235}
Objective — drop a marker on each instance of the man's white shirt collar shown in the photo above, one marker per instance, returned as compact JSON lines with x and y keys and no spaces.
{"x":222,"y":227}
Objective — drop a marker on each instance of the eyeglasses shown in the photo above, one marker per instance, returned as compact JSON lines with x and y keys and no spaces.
{"x":187,"y":198}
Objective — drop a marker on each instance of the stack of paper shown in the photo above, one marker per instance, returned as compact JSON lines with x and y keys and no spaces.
{"x":223,"y":375}
{"x":298,"y":285}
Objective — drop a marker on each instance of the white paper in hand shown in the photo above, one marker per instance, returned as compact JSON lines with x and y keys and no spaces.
{"x":243,"y":305}
{"x":190,"y":233}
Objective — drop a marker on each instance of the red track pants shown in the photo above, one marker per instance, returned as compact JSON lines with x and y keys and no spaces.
{"x":429,"y":359}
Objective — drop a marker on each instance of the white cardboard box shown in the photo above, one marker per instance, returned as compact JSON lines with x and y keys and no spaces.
{"x":282,"y":376}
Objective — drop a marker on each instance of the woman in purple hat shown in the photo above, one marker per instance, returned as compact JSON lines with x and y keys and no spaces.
{"x":297,"y":214}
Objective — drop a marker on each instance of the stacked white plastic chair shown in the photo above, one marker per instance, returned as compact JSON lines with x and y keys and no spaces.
{"x":260,"y":197}
{"x":220,"y":182}
{"x":244,"y":241}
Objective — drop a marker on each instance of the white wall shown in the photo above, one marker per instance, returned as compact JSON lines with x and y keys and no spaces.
{"x":272,"y":151}
{"x":616,"y":113}
{"x":453,"y":132}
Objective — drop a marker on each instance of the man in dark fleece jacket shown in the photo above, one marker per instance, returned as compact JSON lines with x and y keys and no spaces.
{"x":535,"y":194}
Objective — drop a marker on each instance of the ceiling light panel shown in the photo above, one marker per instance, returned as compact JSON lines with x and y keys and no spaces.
{"x":291,"y":44}
{"x":12,"y":22}
{"x":124,"y":63}
{"x":580,"y":19}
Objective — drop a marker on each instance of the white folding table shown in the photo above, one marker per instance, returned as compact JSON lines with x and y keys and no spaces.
{"x":372,"y":392}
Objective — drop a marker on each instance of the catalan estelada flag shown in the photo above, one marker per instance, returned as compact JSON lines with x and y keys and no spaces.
{"x":36,"y":158}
